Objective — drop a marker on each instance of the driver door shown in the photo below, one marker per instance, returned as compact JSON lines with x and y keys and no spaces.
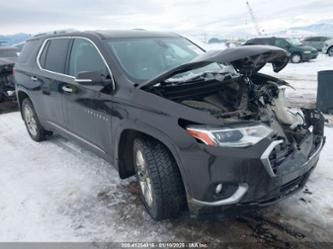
{"x":85,"y":109}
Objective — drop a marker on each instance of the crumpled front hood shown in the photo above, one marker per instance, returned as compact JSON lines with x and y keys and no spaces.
{"x":247,"y":59}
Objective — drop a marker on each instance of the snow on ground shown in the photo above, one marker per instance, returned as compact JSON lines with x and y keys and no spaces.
{"x":57,"y":191}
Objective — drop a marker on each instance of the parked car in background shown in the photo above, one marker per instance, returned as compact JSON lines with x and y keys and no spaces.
{"x":328,"y":47}
{"x":200,"y":130}
{"x":9,"y":53}
{"x":8,"y":56}
{"x":315,"y":41}
{"x":297,"y":52}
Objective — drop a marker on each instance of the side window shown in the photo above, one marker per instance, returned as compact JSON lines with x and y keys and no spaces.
{"x":257,"y":41}
{"x":85,"y":57}
{"x":281,"y":43}
{"x":260,"y":41}
{"x":270,"y":41}
{"x":265,"y":42}
{"x":311,"y":39}
{"x":56,"y":54}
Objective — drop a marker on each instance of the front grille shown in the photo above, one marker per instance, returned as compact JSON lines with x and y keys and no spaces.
{"x":287,"y":189}
{"x":278,"y":155}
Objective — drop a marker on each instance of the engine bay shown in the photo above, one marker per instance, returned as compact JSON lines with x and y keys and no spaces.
{"x":237,"y":97}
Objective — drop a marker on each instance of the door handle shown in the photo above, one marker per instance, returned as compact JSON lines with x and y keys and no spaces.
{"x":67,"y":89}
{"x":33,"y":78}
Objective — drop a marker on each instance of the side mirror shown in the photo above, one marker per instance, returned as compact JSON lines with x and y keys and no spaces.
{"x":87,"y":78}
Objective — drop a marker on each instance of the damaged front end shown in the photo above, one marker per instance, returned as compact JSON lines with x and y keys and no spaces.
{"x":7,"y":84}
{"x":272,"y":148}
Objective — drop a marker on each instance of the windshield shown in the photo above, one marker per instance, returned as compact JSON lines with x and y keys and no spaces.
{"x":294,"y":41}
{"x":143,"y":59}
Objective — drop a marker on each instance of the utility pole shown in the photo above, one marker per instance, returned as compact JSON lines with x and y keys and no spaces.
{"x":254,"y":20}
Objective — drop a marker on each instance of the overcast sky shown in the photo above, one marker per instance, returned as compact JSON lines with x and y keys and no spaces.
{"x":192,"y":16}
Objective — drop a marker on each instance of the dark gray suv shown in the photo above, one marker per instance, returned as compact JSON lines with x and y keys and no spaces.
{"x":204,"y":132}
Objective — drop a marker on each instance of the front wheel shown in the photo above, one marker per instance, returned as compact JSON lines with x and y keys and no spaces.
{"x":160,"y":183}
{"x":330,"y":51}
{"x":296,"y":58}
{"x":34,"y":128}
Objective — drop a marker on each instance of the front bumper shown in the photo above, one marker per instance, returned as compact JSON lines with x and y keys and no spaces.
{"x":310,"y":56}
{"x":249,"y":178}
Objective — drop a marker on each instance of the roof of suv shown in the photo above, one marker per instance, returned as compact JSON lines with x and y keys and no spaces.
{"x":107,"y":34}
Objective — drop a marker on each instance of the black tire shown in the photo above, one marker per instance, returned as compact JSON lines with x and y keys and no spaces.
{"x":296,"y":58}
{"x":330,"y":51}
{"x":40,"y":133}
{"x":168,"y":194}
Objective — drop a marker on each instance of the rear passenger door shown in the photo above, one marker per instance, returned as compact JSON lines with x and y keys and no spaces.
{"x":52,"y":62}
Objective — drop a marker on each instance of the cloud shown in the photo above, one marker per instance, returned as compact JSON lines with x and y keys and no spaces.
{"x":177,"y":15}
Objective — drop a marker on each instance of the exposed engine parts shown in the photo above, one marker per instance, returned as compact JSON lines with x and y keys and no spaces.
{"x":258,"y":98}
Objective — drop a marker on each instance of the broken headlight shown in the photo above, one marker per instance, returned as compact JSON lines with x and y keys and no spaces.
{"x":230,"y":137}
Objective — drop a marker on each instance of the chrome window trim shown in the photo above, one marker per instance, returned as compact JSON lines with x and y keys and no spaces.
{"x":66,"y":75}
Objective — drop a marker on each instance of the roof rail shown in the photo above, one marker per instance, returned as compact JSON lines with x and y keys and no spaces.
{"x":55,"y":32}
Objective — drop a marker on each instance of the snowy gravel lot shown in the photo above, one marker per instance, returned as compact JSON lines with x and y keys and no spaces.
{"x":57,"y":191}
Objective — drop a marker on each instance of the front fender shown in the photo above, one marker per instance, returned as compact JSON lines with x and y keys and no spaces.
{"x":151,"y":131}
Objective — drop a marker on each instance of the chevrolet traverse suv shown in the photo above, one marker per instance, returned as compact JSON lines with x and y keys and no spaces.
{"x":203,"y":132}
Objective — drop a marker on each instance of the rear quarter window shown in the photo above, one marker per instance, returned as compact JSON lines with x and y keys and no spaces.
{"x":251,"y":42}
{"x":42,"y":56}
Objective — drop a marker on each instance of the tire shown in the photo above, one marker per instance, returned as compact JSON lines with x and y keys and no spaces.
{"x":156,"y":168}
{"x":330,"y":51}
{"x":296,"y":58}
{"x":34,"y":128}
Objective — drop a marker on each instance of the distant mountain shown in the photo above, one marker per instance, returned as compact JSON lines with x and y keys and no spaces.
{"x":13,"y":39}
{"x":324,"y":29}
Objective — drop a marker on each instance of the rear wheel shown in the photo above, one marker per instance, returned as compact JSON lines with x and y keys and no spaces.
{"x":34,"y":128}
{"x":330,"y":51}
{"x":160,"y":183}
{"x":296,"y":58}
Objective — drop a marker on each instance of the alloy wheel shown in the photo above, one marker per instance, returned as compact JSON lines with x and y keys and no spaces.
{"x":296,"y":58}
{"x":330,"y":52}
{"x":144,"y":178}
{"x":30,"y":120}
